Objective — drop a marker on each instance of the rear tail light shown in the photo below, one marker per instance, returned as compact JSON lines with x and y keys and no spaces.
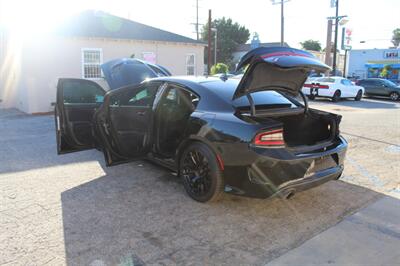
{"x":271,"y":138}
{"x":316,"y":86}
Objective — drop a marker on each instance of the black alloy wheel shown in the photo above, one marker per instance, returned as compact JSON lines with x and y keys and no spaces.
{"x":358,"y":96}
{"x":200,"y":172}
{"x":394,"y":96}
{"x":336,"y":96}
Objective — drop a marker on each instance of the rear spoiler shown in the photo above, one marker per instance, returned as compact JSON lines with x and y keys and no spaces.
{"x":294,"y":58}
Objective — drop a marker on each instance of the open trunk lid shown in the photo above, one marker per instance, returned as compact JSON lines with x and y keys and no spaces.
{"x":276,"y":68}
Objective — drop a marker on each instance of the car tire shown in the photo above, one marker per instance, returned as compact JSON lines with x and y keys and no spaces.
{"x":336,"y":96}
{"x":394,"y":96}
{"x":358,"y":96}
{"x":311,"y":97}
{"x":201,"y":174}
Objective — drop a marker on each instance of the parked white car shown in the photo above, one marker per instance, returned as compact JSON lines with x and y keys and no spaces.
{"x":335,"y":88}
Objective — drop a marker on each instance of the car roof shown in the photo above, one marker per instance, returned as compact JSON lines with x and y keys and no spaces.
{"x":215,"y":93}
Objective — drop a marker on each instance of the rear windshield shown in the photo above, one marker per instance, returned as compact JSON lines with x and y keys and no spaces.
{"x":265,"y":100}
{"x":327,"y":80}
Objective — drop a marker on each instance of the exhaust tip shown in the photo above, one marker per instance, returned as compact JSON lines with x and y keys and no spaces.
{"x":290,"y":195}
{"x":287,"y":194}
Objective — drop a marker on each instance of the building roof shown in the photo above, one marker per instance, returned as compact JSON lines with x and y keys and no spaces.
{"x":99,"y":24}
{"x":247,"y":46}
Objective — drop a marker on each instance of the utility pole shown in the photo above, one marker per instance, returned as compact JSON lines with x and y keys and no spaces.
{"x":197,"y":19}
{"x":209,"y":43}
{"x":281,"y":2}
{"x":196,"y":23}
{"x":328,"y":48}
{"x":282,"y":23}
{"x":345,"y":62}
{"x":215,"y":30}
{"x":336,"y":37}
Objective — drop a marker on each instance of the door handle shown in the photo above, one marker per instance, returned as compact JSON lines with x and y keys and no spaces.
{"x":141,"y":113}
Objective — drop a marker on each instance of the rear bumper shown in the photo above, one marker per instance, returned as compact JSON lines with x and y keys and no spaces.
{"x":302,"y":184}
{"x":320,"y":92}
{"x":263,"y":175}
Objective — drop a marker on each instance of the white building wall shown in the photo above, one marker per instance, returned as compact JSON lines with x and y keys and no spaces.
{"x":41,"y":62}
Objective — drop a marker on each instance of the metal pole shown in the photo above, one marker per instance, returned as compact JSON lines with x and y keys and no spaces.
{"x":328,"y":48}
{"x":215,"y":46}
{"x":197,"y":19}
{"x":209,"y":43}
{"x":345,"y":60}
{"x":336,"y":37}
{"x":282,"y":23}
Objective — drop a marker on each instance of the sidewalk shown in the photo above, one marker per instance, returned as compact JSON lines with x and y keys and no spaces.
{"x":368,"y":237}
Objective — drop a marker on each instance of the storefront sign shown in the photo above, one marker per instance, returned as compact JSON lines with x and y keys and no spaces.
{"x":391,"y":54}
{"x":346,"y":38}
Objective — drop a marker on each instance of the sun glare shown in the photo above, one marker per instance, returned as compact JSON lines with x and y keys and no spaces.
{"x":27,"y":19}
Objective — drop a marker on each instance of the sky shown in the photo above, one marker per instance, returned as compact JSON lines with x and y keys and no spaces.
{"x":370,"y":21}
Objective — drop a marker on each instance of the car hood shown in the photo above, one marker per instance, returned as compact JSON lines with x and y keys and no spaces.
{"x":126,"y":71}
{"x":276,"y":68}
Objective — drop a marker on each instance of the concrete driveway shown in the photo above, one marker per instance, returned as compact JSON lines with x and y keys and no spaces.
{"x":73,"y":210}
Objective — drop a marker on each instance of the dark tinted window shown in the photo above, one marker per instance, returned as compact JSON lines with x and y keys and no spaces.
{"x":266,"y":99}
{"x":81,"y":92}
{"x":178,"y":96}
{"x":365,"y":82}
{"x":142,"y":96}
{"x":389,"y":83}
{"x":375,"y":82}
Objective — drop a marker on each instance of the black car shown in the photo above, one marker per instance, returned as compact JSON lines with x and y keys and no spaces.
{"x":251,"y":136}
{"x":380,"y":87}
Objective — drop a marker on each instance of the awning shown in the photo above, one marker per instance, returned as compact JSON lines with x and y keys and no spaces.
{"x":382,"y":65}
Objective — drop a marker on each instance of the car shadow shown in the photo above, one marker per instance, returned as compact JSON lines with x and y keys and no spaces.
{"x":366,"y":103}
{"x":138,"y":213}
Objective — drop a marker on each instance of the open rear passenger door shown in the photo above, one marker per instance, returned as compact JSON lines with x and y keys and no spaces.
{"x":125,"y":122}
{"x":77,"y":101}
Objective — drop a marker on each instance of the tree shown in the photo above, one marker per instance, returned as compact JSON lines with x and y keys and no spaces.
{"x":396,"y":37}
{"x":219,"y":68}
{"x":332,"y":48}
{"x":229,"y":34}
{"x":311,"y":45}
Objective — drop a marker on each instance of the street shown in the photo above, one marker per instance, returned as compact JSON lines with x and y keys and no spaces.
{"x":72,"y":209}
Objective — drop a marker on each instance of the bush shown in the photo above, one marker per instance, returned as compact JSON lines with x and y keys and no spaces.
{"x":219,"y":68}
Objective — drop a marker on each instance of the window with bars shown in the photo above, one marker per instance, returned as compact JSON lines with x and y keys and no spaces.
{"x":190,"y":64}
{"x":91,"y":60}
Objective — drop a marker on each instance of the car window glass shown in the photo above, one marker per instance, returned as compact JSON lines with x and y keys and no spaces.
{"x":346,"y":82}
{"x":180,"y":97}
{"x":142,"y":96}
{"x":388,"y":83}
{"x":328,"y":80}
{"x":266,"y":99}
{"x":81,"y":92}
